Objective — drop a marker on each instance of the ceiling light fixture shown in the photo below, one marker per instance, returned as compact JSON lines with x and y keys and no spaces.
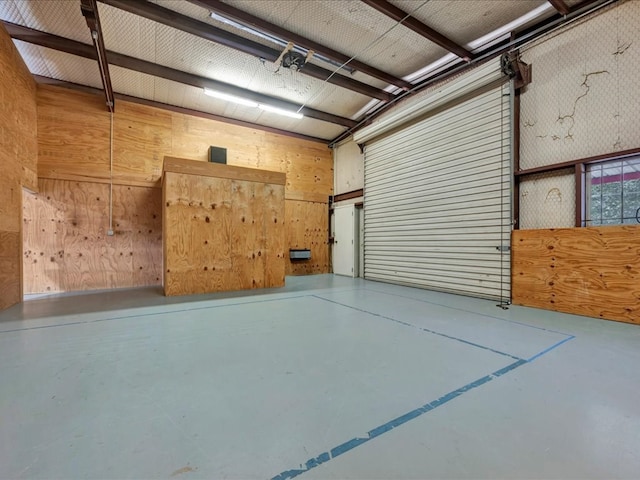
{"x":230,"y":98}
{"x":250,"y":103}
{"x":280,"y":111}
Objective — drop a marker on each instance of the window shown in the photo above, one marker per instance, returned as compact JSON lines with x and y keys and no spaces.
{"x":613,"y":192}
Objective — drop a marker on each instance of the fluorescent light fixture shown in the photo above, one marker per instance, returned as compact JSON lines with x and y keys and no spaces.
{"x":231,"y":98}
{"x":250,"y":103}
{"x":280,"y":111}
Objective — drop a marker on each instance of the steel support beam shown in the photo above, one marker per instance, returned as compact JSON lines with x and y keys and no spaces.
{"x":172,"y":108}
{"x":89,"y":10}
{"x":83,"y":50}
{"x":417,"y":26}
{"x":178,"y":21}
{"x":560,"y":6}
{"x":259,"y":24}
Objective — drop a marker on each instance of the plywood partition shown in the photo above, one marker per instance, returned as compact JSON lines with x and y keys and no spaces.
{"x":73,"y":142}
{"x":18,"y":156}
{"x":223,"y":227}
{"x":66,"y":242}
{"x":73,"y":170}
{"x":585,"y":271}
{"x":306,"y":227}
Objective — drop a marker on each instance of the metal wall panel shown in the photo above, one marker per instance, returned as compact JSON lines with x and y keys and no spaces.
{"x":438,"y":200}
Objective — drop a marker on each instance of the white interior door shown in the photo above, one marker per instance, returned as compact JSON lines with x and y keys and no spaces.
{"x":343,"y":243}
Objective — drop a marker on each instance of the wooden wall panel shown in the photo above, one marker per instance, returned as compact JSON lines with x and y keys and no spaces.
{"x":309,"y":172}
{"x":176,"y":194}
{"x":221,"y":234}
{"x":73,"y":146}
{"x":585,"y":271}
{"x":275,"y":250}
{"x":66,"y":245}
{"x":142,"y":137}
{"x":10,"y":201}
{"x":18,"y":160}
{"x":245,"y":238}
{"x":307,"y":228}
{"x":10,"y":289}
{"x":74,"y":143}
{"x":44,"y":233}
{"x":18,"y":133}
{"x":73,"y":135}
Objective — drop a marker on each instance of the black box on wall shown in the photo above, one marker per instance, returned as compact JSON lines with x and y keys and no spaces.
{"x":217,"y":154}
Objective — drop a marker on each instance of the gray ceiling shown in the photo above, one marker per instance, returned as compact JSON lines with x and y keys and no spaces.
{"x":357,"y":29}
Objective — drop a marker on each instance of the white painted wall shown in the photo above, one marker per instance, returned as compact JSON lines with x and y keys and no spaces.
{"x":348,"y":167}
{"x":548,"y":200}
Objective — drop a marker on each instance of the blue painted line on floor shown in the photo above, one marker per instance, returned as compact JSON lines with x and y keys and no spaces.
{"x":552,"y":347}
{"x":140,"y":315}
{"x":409,"y":416}
{"x":396,"y":422}
{"x":440,"y":334}
{"x":468,"y":311}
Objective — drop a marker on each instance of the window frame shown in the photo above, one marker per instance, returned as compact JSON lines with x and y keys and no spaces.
{"x":579,"y":166}
{"x":624,"y":194}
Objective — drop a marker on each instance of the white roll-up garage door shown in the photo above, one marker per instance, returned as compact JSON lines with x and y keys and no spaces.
{"x":438,"y":202}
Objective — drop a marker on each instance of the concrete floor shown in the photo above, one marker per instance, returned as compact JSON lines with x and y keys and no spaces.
{"x":328,"y":378}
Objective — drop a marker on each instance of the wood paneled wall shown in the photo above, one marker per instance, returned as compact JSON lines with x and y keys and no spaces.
{"x":585,"y":271}
{"x":306,"y":227}
{"x":18,"y":156}
{"x":73,"y":146}
{"x":73,"y":143}
{"x":223,"y":228}
{"x":66,"y":243}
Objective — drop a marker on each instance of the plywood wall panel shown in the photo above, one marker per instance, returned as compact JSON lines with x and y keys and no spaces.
{"x":10,"y":292}
{"x":257,"y":236}
{"x":192,"y":137}
{"x":142,"y":137}
{"x":211,"y":231}
{"x":178,"y":274}
{"x":18,"y":132}
{"x":66,"y":243}
{"x":44,"y":233}
{"x":74,"y":147}
{"x":243,"y":233}
{"x":309,"y":172}
{"x":274,"y":212}
{"x":307,"y":228}
{"x":73,"y":135}
{"x":74,"y":143}
{"x":10,"y":201}
{"x":18,"y":160}
{"x":585,"y":271}
{"x":218,"y":233}
{"x":144,"y":212}
{"x":175,"y":199}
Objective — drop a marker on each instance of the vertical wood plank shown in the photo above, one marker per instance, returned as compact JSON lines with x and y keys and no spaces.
{"x":274,"y":231}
